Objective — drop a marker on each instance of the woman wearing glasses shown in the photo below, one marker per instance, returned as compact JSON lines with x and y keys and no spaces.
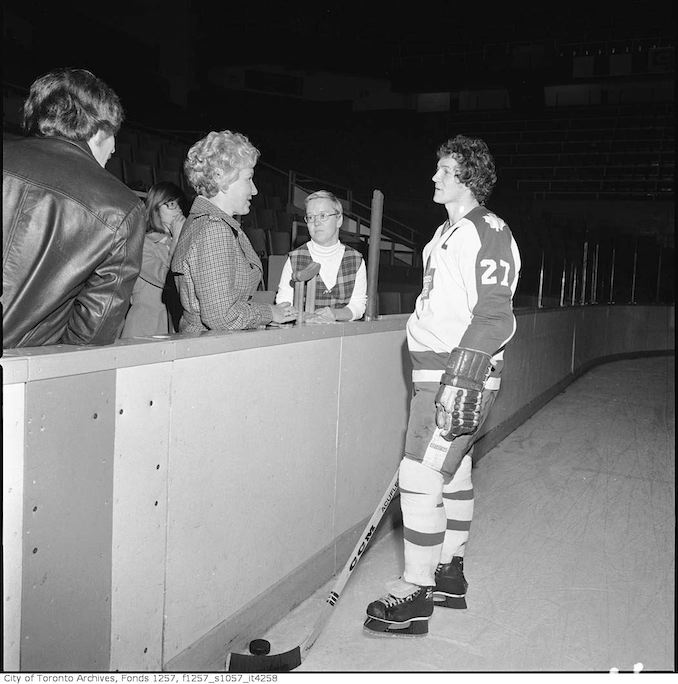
{"x":148,"y":313}
{"x":341,"y":289}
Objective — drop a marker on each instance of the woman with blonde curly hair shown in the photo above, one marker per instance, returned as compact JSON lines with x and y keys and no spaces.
{"x":215,"y":267}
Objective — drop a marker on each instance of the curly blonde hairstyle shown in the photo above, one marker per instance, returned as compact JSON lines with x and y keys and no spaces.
{"x":226,"y":150}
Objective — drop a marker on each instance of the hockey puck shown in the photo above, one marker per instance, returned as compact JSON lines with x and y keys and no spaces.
{"x":260,"y":647}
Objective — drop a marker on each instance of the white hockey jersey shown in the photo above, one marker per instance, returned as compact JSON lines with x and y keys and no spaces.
{"x":471,"y":271}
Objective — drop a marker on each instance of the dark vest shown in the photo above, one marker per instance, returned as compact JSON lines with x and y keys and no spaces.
{"x":340,"y":294}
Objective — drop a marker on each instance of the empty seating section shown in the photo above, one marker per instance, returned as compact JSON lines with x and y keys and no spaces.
{"x":171,"y":175}
{"x":142,"y":158}
{"x":620,"y":151}
{"x":138,"y":176}
{"x":281,"y":242}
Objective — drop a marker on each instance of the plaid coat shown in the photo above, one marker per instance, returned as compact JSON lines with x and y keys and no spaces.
{"x":216,"y":271}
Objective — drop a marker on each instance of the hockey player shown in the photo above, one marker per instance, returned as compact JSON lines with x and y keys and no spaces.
{"x":456,"y":335}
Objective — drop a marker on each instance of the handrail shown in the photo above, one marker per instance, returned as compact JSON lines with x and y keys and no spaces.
{"x":400,"y":223}
{"x":322,"y":181}
{"x":386,"y":232}
{"x":273,"y":168}
{"x":407,"y":239}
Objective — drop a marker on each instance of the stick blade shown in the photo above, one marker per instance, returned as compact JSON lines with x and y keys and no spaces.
{"x":305,"y":274}
{"x":280,"y":662}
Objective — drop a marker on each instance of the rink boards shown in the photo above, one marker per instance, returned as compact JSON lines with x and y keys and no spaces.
{"x":166,"y":499}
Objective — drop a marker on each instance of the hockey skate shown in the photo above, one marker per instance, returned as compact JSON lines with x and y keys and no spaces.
{"x":401,"y":616}
{"x":451,"y":585}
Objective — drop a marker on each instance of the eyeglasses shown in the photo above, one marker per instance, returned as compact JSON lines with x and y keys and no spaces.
{"x":170,"y":204}
{"x":321,"y":217}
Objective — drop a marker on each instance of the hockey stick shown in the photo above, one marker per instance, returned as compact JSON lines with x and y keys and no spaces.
{"x":304,"y":289}
{"x":284,"y":662}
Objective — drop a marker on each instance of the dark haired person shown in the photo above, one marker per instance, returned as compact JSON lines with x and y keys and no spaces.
{"x":456,"y":335}
{"x":149,"y":312}
{"x":72,"y":233}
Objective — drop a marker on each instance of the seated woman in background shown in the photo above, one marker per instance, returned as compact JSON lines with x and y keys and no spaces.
{"x":148,"y":313}
{"x":341,"y":293}
{"x":215,"y":267}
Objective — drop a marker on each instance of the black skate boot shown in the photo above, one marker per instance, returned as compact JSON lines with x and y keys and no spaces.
{"x":451,"y":585}
{"x":396,"y":616}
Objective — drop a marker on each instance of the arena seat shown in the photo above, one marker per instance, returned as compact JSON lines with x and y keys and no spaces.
{"x":114,"y":166}
{"x":280,"y":242}
{"x":257,"y":237}
{"x":123,"y":150}
{"x":389,"y":303}
{"x":265,"y":218}
{"x":147,"y":155}
{"x":127,"y":136}
{"x":172,"y":158}
{"x":170,"y":175}
{"x":274,"y":202}
{"x":408,"y":299}
{"x":284,"y":221}
{"x":275,"y":267}
{"x":138,"y":176}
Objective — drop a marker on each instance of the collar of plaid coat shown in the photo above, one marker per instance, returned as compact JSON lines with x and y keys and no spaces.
{"x":201,"y":205}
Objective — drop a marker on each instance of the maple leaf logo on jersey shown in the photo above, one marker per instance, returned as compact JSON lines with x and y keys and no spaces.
{"x":494,"y":222}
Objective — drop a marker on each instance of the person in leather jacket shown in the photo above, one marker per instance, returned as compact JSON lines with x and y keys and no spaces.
{"x":72,"y":233}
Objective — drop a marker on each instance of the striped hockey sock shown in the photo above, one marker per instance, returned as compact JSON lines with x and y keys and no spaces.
{"x":423,"y":521}
{"x":458,"y":503}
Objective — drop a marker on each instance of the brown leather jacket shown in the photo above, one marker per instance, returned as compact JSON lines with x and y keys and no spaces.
{"x":72,"y":238}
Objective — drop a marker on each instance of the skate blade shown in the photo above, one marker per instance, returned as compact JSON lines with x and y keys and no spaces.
{"x":449,"y":601}
{"x":381,"y":628}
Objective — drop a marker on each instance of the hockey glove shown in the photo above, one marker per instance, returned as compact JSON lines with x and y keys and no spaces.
{"x":460,"y":395}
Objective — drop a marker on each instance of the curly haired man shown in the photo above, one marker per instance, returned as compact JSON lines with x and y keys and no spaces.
{"x":456,"y":335}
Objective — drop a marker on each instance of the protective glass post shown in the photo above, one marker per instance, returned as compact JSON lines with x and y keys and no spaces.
{"x":611,"y":297}
{"x":659,"y":274}
{"x":582,"y":299}
{"x":594,"y":277}
{"x":541,"y":282}
{"x":633,"y":281}
{"x":562,"y":284}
